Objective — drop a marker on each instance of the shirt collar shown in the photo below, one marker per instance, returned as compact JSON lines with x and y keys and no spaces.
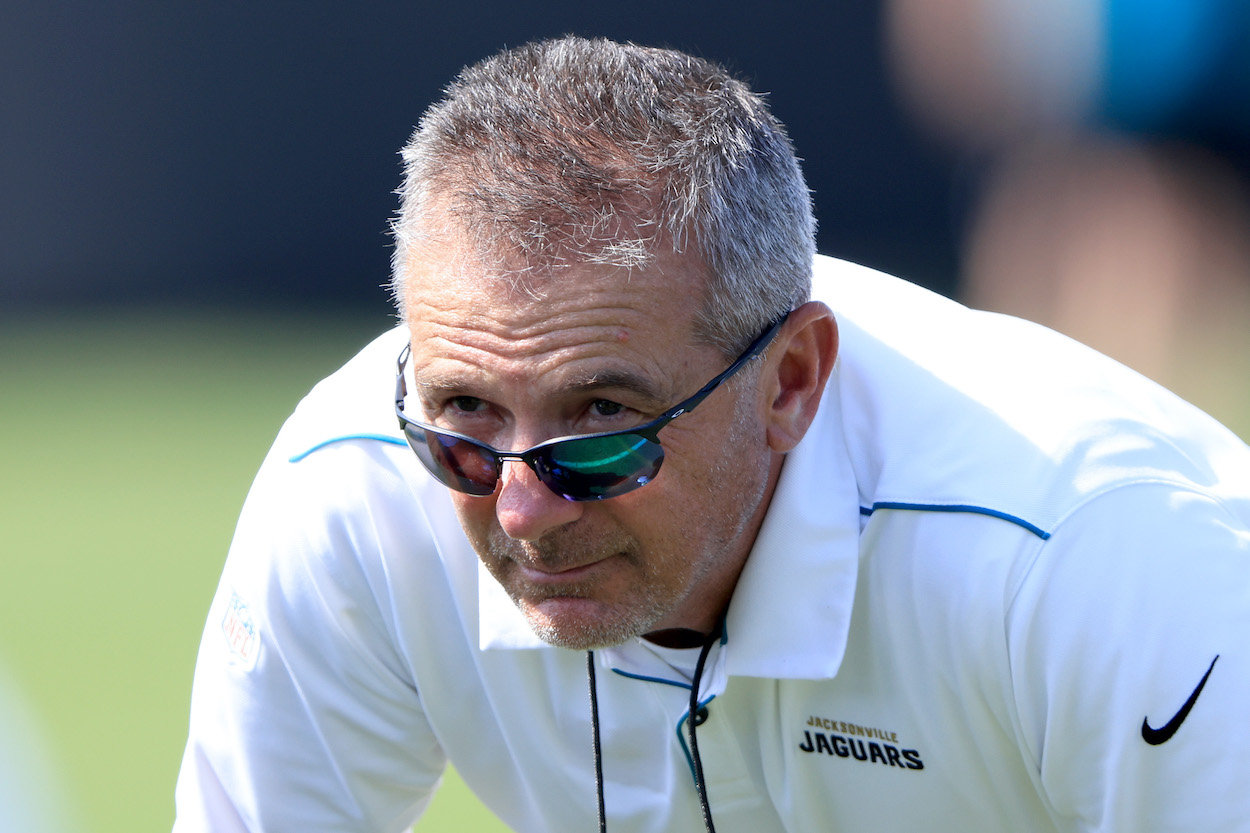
{"x":791,"y":611}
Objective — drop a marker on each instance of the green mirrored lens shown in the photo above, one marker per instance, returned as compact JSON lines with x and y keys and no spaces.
{"x":602,"y":455}
{"x":600,"y":467}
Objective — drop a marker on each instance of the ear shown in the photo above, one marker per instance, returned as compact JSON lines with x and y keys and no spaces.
{"x":799,"y":364}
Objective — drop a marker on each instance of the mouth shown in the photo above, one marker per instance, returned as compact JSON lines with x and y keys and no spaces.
{"x":579,"y":563}
{"x":552,"y":577}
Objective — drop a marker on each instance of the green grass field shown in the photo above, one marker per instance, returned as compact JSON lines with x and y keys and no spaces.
{"x":128,"y":444}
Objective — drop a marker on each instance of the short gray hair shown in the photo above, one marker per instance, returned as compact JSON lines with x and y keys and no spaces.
{"x":576,"y":150}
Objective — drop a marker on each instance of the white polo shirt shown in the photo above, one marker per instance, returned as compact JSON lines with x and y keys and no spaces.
{"x":989,"y":595}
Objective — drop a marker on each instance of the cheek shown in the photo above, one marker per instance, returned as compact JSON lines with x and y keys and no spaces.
{"x":729,"y":454}
{"x":706,"y":497}
{"x":477,"y":517}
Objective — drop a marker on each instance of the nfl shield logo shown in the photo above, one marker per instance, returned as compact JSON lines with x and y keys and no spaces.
{"x":242,"y":638}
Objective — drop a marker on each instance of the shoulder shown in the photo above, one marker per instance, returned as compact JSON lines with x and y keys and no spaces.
{"x":355,"y":403}
{"x":340,"y":496}
{"x":1119,"y":619}
{"x":945,"y":407}
{"x":336,"y":469}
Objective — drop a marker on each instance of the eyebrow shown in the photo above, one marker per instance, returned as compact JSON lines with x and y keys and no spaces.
{"x":436,"y":387}
{"x":638,"y":385}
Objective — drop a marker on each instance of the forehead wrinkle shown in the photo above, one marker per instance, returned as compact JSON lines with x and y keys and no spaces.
{"x":472,"y":298}
{"x":503,"y":325}
{"x":545,"y":348}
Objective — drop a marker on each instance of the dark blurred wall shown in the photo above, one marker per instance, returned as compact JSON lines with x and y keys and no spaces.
{"x":245,"y":153}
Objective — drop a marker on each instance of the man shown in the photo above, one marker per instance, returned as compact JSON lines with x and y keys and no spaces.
{"x":910,"y":566}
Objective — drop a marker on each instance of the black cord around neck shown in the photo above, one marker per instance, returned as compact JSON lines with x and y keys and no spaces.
{"x":693,"y":719}
{"x":594,"y":738}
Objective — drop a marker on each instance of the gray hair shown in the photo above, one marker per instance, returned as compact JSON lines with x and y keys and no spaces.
{"x":577,"y":150}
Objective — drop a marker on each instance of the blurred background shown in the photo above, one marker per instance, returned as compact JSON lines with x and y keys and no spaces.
{"x":193,"y":210}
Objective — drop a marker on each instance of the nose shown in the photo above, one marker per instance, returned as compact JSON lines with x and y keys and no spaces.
{"x":526,"y":509}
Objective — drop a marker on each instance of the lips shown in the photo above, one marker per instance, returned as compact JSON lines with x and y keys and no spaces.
{"x":567,"y":575}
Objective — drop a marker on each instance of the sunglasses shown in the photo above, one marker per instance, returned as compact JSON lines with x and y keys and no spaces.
{"x":580,"y":467}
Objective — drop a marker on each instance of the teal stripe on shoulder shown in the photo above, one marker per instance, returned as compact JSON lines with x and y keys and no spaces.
{"x":379,"y":437}
{"x":957,"y":507}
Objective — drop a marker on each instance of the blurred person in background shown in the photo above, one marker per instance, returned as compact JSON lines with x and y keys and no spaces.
{"x":1112,"y":137}
{"x":649,"y":517}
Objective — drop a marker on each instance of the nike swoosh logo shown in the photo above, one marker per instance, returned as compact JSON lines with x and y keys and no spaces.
{"x":1154,"y":737}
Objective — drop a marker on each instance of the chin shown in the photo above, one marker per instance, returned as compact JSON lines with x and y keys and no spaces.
{"x":581,"y":624}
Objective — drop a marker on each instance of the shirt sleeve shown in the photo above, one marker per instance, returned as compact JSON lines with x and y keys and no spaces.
{"x":1130,"y":663}
{"x":304,"y":713}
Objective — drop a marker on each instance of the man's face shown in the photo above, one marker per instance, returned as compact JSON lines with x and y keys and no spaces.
{"x":600,"y":349}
